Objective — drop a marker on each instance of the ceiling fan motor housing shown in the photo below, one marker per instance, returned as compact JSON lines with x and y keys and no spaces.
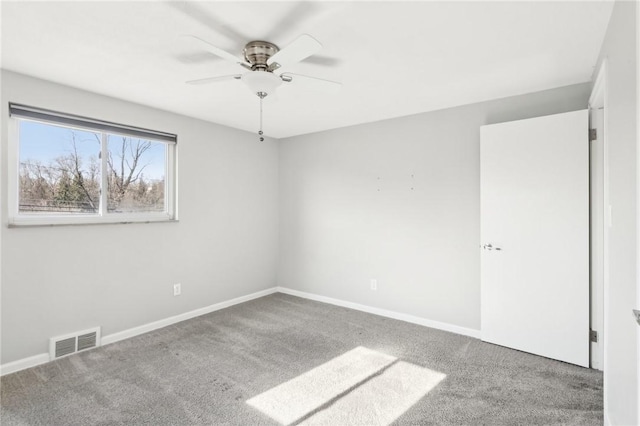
{"x":257,"y":53}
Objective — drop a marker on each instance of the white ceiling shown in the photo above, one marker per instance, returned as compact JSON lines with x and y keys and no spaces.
{"x":393,"y":58}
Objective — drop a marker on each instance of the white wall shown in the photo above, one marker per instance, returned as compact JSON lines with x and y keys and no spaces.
{"x":397,"y":201}
{"x":61,"y":279}
{"x":621,"y":352}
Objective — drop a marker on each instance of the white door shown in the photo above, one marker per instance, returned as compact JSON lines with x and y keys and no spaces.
{"x":535,"y":236}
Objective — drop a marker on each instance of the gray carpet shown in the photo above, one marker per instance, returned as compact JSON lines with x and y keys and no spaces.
{"x":202,"y":372}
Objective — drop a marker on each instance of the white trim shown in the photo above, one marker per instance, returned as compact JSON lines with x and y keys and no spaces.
{"x":136,"y":331}
{"x":104,"y":177}
{"x":89,"y":219}
{"x":24,"y":363}
{"x":171,"y":185}
{"x":638,"y":207}
{"x":35,"y":360}
{"x":384,"y":313}
{"x":597,"y":101}
{"x":598,"y":221}
{"x":599,"y":98}
{"x":13,"y":167}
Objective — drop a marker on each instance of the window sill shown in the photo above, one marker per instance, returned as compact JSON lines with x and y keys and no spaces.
{"x":28,"y":221}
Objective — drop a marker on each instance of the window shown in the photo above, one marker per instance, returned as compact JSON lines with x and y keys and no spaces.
{"x":72,"y":169}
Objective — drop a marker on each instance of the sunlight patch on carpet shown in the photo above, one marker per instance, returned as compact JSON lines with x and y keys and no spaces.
{"x":362,"y":386}
{"x":292,"y":400}
{"x":382,"y":399}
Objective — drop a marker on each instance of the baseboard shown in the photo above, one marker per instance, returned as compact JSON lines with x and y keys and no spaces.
{"x":132,"y":332}
{"x":24,"y":363}
{"x":43,"y":358}
{"x":384,"y":313}
{"x":21,"y":364}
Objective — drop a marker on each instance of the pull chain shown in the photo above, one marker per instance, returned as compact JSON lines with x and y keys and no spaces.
{"x":260,"y":131}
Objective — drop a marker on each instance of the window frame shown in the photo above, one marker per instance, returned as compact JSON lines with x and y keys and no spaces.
{"x":17,"y":219}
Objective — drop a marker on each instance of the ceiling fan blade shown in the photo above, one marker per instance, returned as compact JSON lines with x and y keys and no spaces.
{"x":299,"y":49}
{"x":298,"y":13}
{"x":318,"y":86}
{"x":214,"y":79}
{"x":295,"y":77}
{"x":199,"y":13}
{"x":196,"y":58}
{"x":325,"y":61}
{"x":217,"y":51}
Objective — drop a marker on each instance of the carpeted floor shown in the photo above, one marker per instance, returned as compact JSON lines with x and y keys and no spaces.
{"x":203,"y":371}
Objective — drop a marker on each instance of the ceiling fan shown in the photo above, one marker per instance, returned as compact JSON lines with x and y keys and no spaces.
{"x":260,"y":60}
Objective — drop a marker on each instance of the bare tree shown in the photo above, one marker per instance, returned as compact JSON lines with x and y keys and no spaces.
{"x":73,"y":182}
{"x":72,"y":164}
{"x":37,"y":183}
{"x":126,"y":168}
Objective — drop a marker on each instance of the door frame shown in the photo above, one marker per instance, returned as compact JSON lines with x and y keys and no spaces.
{"x":597,"y":100}
{"x":637,"y":196}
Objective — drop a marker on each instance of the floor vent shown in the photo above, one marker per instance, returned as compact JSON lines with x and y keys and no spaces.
{"x":75,"y":342}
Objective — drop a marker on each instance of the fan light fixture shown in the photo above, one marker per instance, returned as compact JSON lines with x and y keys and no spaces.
{"x":261,"y":83}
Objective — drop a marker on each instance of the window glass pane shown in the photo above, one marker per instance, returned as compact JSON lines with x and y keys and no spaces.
{"x":59,"y":170}
{"x":136,"y":175}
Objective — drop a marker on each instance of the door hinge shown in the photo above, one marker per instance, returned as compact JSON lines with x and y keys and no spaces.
{"x":593,"y":134}
{"x":593,"y":336}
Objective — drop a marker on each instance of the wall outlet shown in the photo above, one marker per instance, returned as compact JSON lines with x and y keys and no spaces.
{"x":374,"y":285}
{"x":177,"y":289}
